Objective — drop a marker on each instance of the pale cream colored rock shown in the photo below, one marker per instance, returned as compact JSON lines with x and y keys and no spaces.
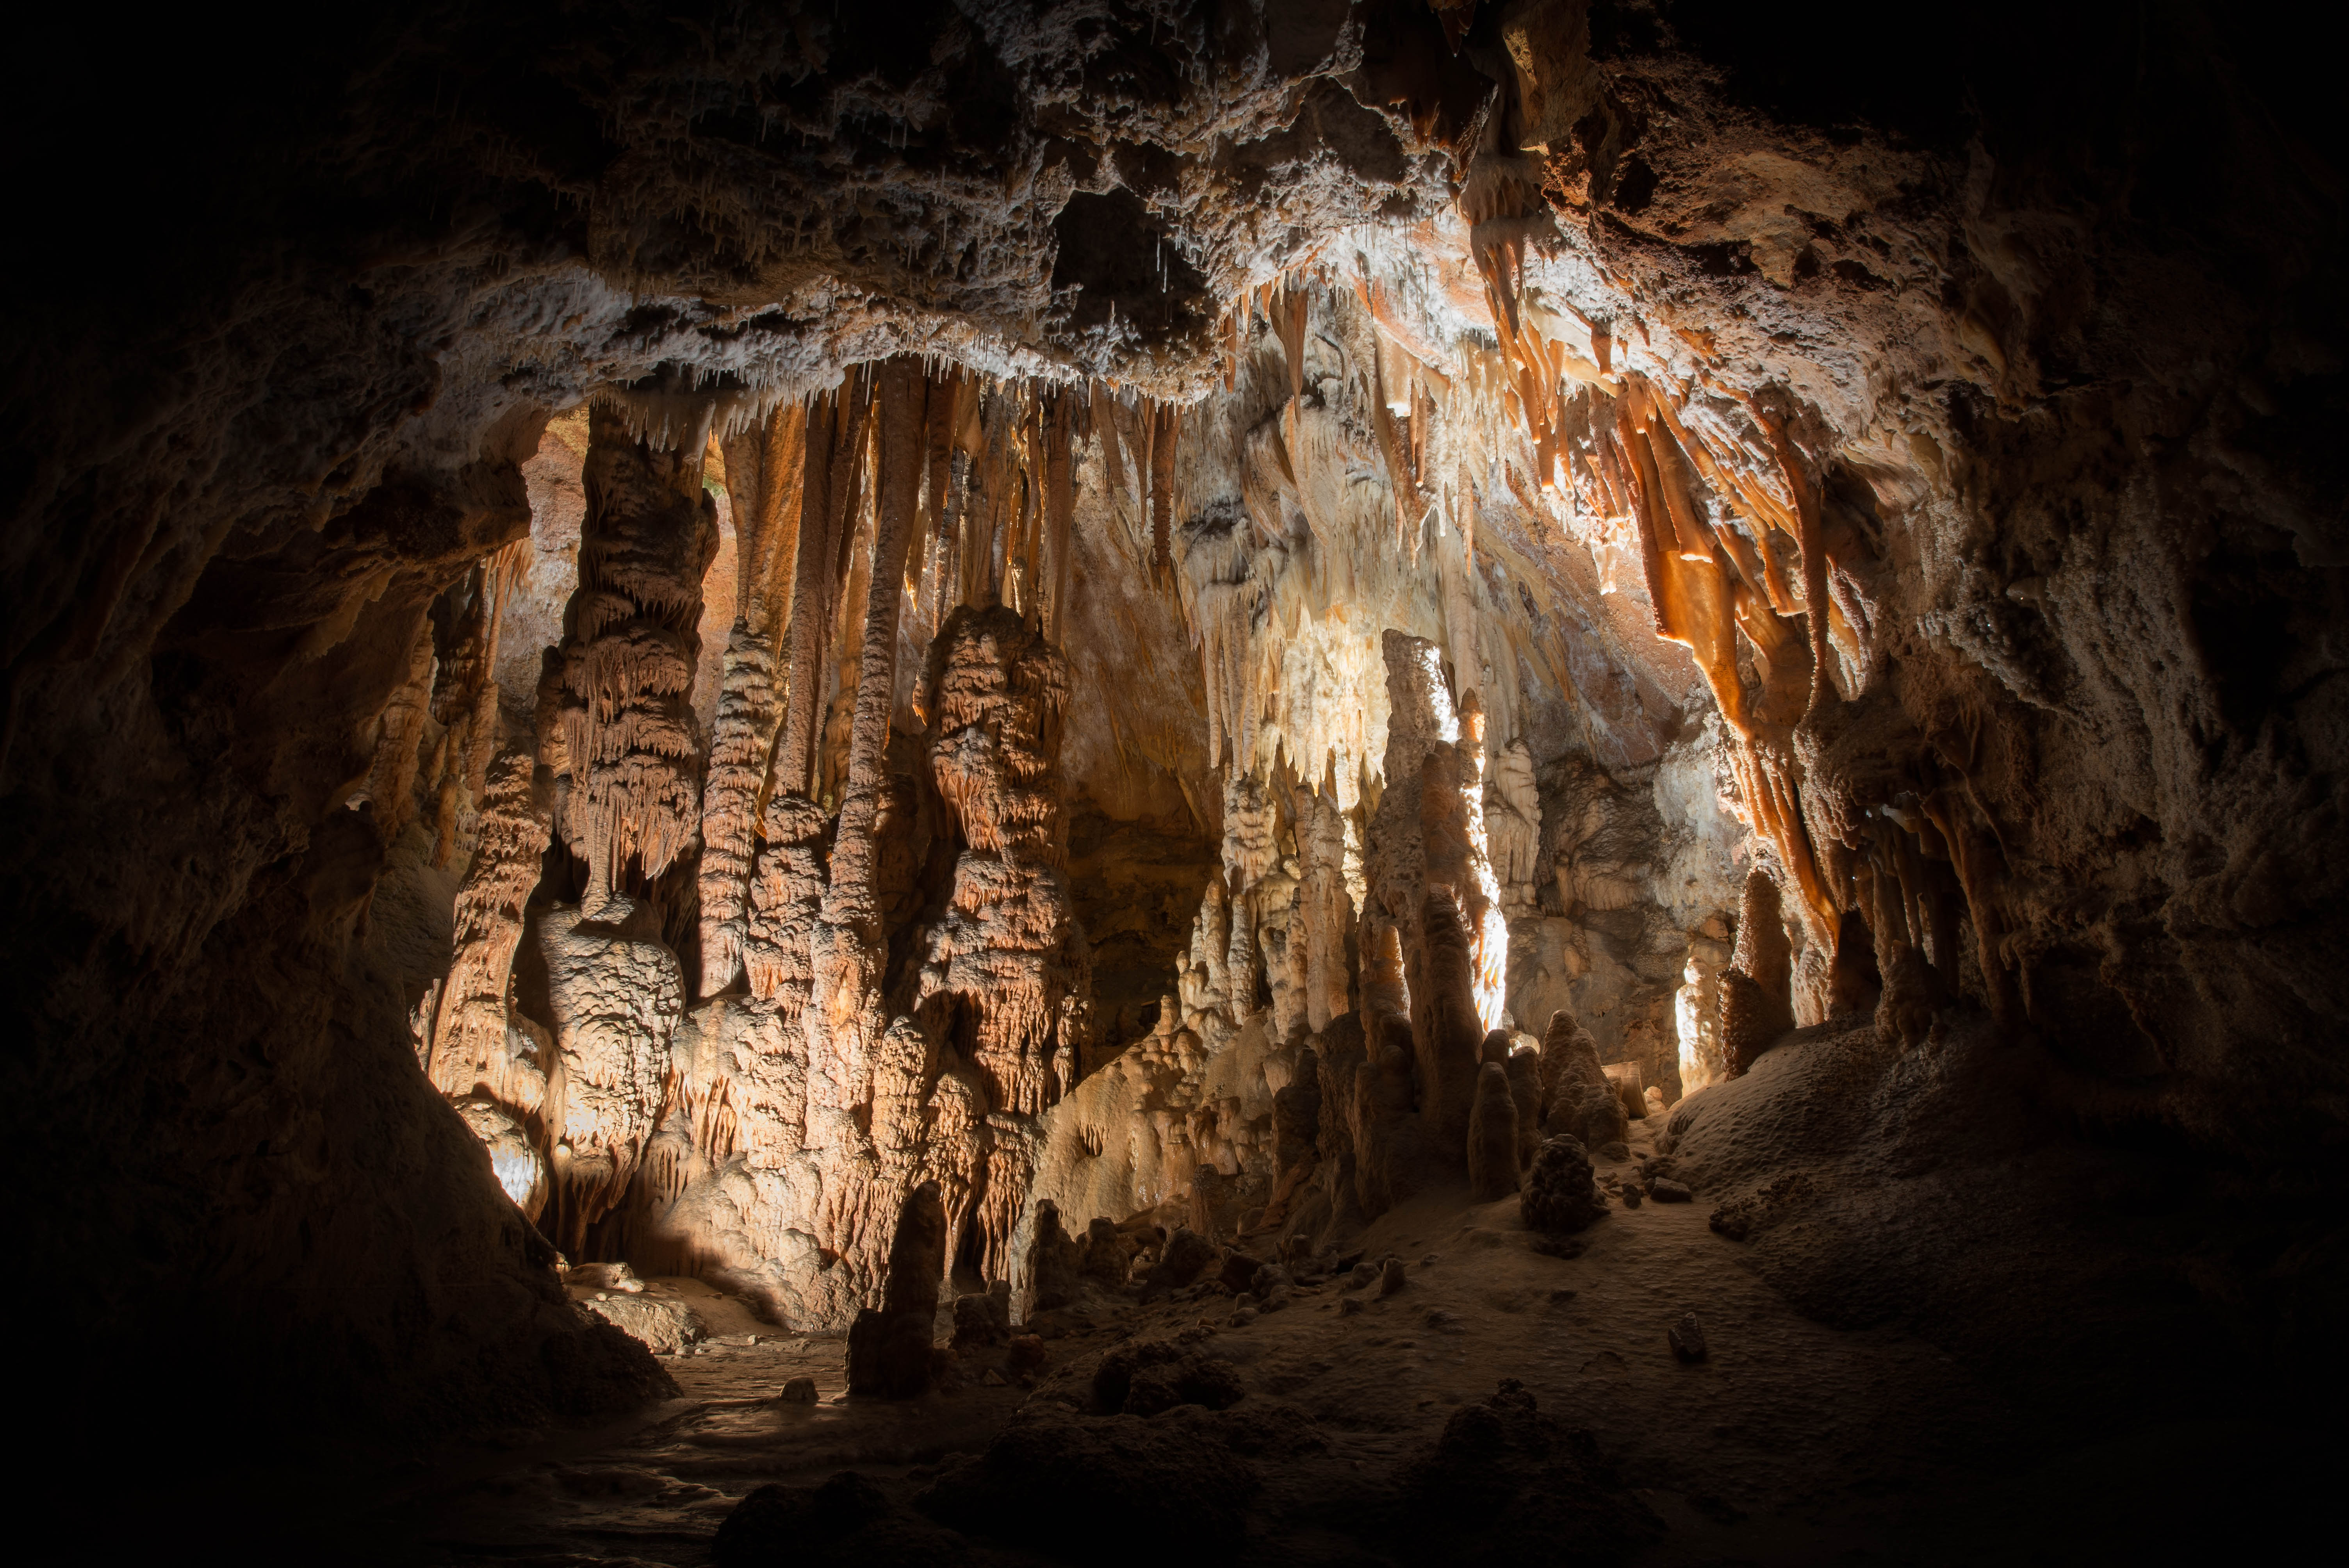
{"x":514,"y":1159}
{"x":1512,"y":828}
{"x":616,"y":993}
{"x":666,"y":1325}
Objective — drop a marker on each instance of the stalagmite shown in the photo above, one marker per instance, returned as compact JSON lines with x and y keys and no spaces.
{"x":1762,"y":953}
{"x":739,"y":745}
{"x":1107,"y":1258}
{"x":617,"y":994}
{"x":1492,"y":1137}
{"x":1524,"y":1068}
{"x":1055,"y":1259}
{"x":480,"y":1047}
{"x":1007,"y":966}
{"x":1578,"y":1101}
{"x":902,"y":1363}
{"x":1747,"y":1026}
{"x":1911,"y":993}
{"x":1560,"y":1195}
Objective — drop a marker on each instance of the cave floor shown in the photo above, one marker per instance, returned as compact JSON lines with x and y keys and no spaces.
{"x":1792,"y":1442}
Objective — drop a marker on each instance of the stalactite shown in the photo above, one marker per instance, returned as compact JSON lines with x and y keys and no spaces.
{"x":835,"y":437}
{"x":1513,"y":826}
{"x":849,"y":905}
{"x":846,"y":639}
{"x":465,"y":626}
{"x":1326,"y":911}
{"x":391,"y":772}
{"x":1060,"y":506}
{"x":767,"y":493}
{"x":1163,"y":426}
{"x":630,"y":737}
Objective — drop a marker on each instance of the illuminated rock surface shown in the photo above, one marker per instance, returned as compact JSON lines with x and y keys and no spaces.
{"x":1092,"y":661}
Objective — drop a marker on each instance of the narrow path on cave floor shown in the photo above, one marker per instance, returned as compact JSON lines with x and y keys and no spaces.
{"x":1792,"y":1442}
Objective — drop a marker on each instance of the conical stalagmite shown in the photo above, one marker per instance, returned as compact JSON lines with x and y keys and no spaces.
{"x":1492,"y":1137}
{"x":1578,"y":1099}
{"x":909,"y":1311}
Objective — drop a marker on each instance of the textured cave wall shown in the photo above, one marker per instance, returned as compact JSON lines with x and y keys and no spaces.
{"x":2047,"y":306}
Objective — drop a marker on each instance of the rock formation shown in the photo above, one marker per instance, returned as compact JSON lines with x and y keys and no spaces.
{"x":1560,"y":1196}
{"x":484,"y":1055}
{"x":889,"y":1351}
{"x":1492,"y":1136}
{"x":1523,"y":1066}
{"x":629,"y":768}
{"x":743,"y":735}
{"x":614,"y":996}
{"x":1055,"y":1259}
{"x":1578,"y":1101}
{"x":1514,"y":512}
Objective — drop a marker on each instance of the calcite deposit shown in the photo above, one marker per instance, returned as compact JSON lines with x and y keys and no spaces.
{"x":1052,"y":655}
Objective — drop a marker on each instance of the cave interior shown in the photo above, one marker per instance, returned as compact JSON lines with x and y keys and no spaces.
{"x":1323,"y":781}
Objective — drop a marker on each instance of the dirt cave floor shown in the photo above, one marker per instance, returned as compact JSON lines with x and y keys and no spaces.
{"x":1790,"y":1442}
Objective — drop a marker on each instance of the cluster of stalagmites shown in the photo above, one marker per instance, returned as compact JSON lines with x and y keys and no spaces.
{"x":728,"y":1075}
{"x":1254,"y":1110}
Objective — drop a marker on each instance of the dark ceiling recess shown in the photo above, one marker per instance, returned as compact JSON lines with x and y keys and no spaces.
{"x":1115,"y":253}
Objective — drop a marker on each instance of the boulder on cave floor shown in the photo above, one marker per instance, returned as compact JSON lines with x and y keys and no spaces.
{"x":663,"y":1325}
{"x":668,"y":1315}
